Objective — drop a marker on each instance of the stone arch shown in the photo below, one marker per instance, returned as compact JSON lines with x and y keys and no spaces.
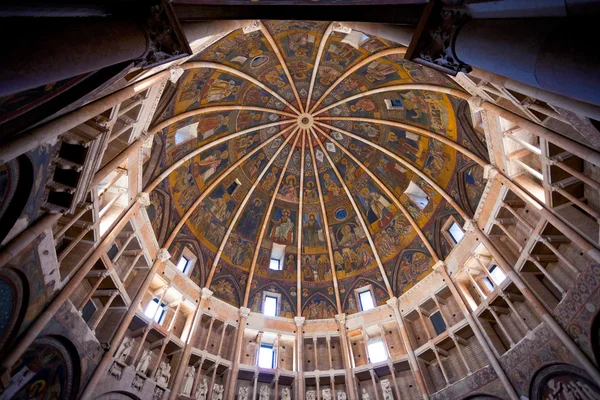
{"x":284,"y":293}
{"x":354,"y":284}
{"x":236,"y":296}
{"x":312,"y":298}
{"x":396,"y":272}
{"x":49,"y":368}
{"x":556,"y":378}
{"x":462,"y":188}
{"x":162,"y":206}
{"x":198,"y":273}
{"x":16,"y":184}
{"x":14,"y":298}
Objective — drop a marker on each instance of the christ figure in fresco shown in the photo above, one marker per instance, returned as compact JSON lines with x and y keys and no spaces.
{"x":283,"y":231}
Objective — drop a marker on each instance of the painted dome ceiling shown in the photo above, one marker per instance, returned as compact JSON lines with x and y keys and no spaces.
{"x":240,"y":195}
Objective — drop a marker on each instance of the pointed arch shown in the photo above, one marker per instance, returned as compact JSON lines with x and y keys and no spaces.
{"x":354,"y":285}
{"x":237,"y":290}
{"x":284,"y":293}
{"x":311,"y":298}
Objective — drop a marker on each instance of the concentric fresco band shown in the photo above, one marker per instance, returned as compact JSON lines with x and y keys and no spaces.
{"x":364,"y":217}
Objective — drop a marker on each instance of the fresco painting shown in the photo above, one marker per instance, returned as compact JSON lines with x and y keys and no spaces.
{"x":352,"y":253}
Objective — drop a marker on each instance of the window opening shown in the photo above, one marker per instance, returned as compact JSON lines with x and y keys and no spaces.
{"x":497,"y":274}
{"x":277,"y":254}
{"x":377,"y":352}
{"x":270,"y":306}
{"x":266,"y":356}
{"x":366,"y":300}
{"x":417,"y":195}
{"x":156,"y":311}
{"x":438,"y":322}
{"x":183,"y":264}
{"x":456,"y":233}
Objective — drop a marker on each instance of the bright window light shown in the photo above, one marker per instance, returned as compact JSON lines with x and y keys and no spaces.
{"x":497,"y":274}
{"x":270,"y":306}
{"x":377,"y":352}
{"x":183,"y":264}
{"x":277,"y":254}
{"x":456,"y":233}
{"x":266,"y":357}
{"x":154,"y":311}
{"x":366,"y":300}
{"x":417,"y":195}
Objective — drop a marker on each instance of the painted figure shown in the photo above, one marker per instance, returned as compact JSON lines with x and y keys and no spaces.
{"x":221,"y":89}
{"x":208,"y":166}
{"x":313,"y":232}
{"x":378,"y":207}
{"x":283,"y":231}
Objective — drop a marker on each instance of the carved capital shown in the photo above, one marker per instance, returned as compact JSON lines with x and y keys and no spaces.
{"x":244,"y":312}
{"x":147,"y":140}
{"x":489,"y":171}
{"x":166,"y":41}
{"x":163,"y":255}
{"x":176,"y":73}
{"x":205,"y":293}
{"x":469,"y":225}
{"x":299,"y":321}
{"x":475,"y":102}
{"x":393,"y":302}
{"x":341,"y":318}
{"x":144,"y":199}
{"x":253,"y":26}
{"x":433,"y":43}
{"x":339,"y":27}
{"x":439,"y":266}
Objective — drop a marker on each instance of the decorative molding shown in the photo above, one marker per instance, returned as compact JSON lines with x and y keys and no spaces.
{"x":163,"y":255}
{"x":144,"y":199}
{"x":253,"y":26}
{"x":340,"y":28}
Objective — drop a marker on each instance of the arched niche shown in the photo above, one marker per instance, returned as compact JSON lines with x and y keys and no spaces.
{"x":563,"y":381}
{"x":14,"y":298}
{"x":49,"y":369}
{"x":16,"y":182}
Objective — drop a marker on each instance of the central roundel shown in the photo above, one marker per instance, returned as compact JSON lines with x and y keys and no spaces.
{"x":305,"y":121}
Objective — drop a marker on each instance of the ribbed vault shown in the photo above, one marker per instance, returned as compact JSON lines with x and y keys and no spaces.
{"x":308,"y":136}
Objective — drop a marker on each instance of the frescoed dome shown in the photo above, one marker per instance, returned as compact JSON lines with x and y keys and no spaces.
{"x":279,"y":101}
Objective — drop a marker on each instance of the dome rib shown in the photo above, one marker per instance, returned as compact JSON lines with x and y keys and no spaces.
{"x":273,"y":45}
{"x":322,"y":44}
{"x":296,"y":134}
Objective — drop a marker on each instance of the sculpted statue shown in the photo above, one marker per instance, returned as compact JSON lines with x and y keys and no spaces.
{"x":217,"y":393}
{"x":124,"y":350}
{"x":326,"y":394}
{"x":285,"y":394}
{"x":386,"y":389}
{"x":163,"y":374}
{"x":311,"y":395}
{"x":341,"y":395}
{"x":188,"y":381}
{"x":265,"y":392}
{"x":144,"y":362}
{"x":202,"y":390}
{"x":365,"y":395}
{"x":243,"y":393}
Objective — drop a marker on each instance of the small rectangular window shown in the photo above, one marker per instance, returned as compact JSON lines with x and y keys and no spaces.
{"x":266,"y":356}
{"x":153,"y":310}
{"x":438,"y":322}
{"x":497,"y":274}
{"x":397,"y":103}
{"x":234,"y":185}
{"x":270,"y":306}
{"x":377,"y":352}
{"x":456,"y":233}
{"x":277,"y":254}
{"x":366,"y":300}
{"x":183,"y":264}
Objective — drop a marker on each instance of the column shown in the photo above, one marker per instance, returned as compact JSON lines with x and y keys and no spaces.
{"x":45,"y":316}
{"x":205,"y":295}
{"x":350,"y":385}
{"x":537,"y":305}
{"x":375,"y":388}
{"x":159,"y":357}
{"x":73,"y":219}
{"x":161,"y":258}
{"x":299,"y":358}
{"x":123,"y":247}
{"x":393,"y":372}
{"x":89,"y":296}
{"x":254,"y":385}
{"x":412,"y":359}
{"x":175,"y":314}
{"x":451,"y":334}
{"x":97,"y":319}
{"x":132,"y":265}
{"x":442,"y":269}
{"x":235,"y":365}
{"x":429,"y":336}
{"x":439,"y":360}
{"x":140,"y":345}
